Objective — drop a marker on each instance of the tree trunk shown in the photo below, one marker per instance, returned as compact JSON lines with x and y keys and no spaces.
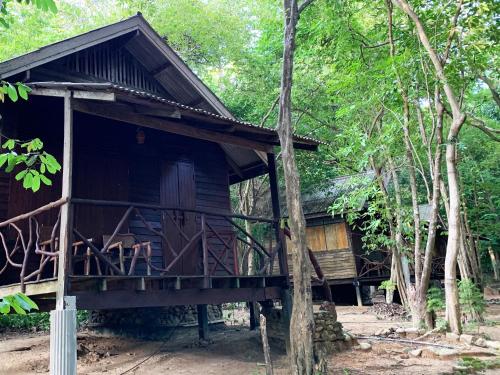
{"x":494,"y":263}
{"x":458,"y":118}
{"x":420,"y":315}
{"x":302,"y":321}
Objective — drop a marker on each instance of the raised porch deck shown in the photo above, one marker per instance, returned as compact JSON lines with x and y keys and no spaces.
{"x":115,"y":292}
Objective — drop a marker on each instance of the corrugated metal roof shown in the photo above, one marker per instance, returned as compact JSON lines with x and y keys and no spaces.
{"x":320,"y":198}
{"x":110,"y":87}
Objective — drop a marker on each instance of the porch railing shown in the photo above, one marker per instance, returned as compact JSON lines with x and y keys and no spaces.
{"x":21,"y":241}
{"x":231,"y":250}
{"x":220,"y":252}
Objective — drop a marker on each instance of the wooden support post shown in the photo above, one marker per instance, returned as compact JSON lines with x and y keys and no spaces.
{"x":202,"y":322}
{"x":63,"y":318}
{"x":286,"y":298}
{"x":275,"y":200}
{"x":204,"y":247}
{"x":265,"y":346}
{"x":286,"y":303}
{"x":65,"y":233}
{"x":254,"y":315}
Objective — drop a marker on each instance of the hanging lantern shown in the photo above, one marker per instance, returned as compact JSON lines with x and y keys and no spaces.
{"x":140,"y":136}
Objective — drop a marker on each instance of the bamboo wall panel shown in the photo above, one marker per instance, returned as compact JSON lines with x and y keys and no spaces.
{"x":339,"y":264}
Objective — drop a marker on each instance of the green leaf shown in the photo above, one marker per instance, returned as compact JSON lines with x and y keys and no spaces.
{"x":9,"y":144}
{"x":4,"y":307}
{"x":35,"y":183}
{"x":45,"y":180}
{"x":30,"y":303}
{"x":21,"y":175}
{"x":12,"y":92}
{"x":3,"y":159}
{"x":23,"y":90}
{"x":28,"y":181}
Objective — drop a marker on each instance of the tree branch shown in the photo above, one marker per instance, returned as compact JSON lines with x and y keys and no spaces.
{"x":304,"y":5}
{"x":481,"y":125}
{"x":493,"y":88}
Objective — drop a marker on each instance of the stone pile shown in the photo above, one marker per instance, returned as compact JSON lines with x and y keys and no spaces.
{"x":151,"y":321}
{"x":328,"y":335}
{"x":389,"y":311}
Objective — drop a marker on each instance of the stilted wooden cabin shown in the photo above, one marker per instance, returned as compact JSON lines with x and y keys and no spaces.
{"x":338,"y":245}
{"x":141,"y":214}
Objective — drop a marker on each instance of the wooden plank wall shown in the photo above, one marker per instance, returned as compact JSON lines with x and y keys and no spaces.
{"x":107,"y":62}
{"x":212,"y":193}
{"x":331,"y":245}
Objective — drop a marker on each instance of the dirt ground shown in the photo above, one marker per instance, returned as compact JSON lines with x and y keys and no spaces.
{"x":233,"y":350}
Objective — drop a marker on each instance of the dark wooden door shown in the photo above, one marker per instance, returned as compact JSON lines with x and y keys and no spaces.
{"x":177,"y":190}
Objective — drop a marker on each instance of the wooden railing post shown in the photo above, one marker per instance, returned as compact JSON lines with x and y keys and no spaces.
{"x":204,"y":247}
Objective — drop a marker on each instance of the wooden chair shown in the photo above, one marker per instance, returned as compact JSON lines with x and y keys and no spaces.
{"x":81,"y":253}
{"x":129,"y":249}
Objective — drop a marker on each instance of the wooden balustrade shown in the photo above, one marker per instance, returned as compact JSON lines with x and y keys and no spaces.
{"x":218,"y":252}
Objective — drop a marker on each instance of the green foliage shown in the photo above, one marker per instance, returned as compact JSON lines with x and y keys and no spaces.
{"x":39,"y":321}
{"x":471,"y":299}
{"x":18,"y":302}
{"x":435,"y":300}
{"x":476,"y":365}
{"x":45,"y":5}
{"x":33,"y":165}
{"x":387,"y":285}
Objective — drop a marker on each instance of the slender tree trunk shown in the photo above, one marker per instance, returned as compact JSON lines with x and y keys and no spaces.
{"x":302,"y":321}
{"x":494,"y":263}
{"x":458,"y":118}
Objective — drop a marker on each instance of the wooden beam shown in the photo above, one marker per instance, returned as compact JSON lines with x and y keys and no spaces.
{"x":234,"y":166}
{"x":118,"y":299}
{"x":65,"y":235}
{"x":77,"y":94}
{"x":95,"y":95}
{"x":33,"y":288}
{"x":157,"y":112}
{"x":160,"y":69}
{"x":124,"y":113}
{"x":60,"y":93}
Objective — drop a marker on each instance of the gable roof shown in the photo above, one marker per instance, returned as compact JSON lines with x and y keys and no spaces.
{"x":131,"y":59}
{"x":144,"y":43}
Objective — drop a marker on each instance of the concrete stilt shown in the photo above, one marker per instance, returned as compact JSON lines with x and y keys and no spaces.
{"x":63,"y":338}
{"x":358,"y":293}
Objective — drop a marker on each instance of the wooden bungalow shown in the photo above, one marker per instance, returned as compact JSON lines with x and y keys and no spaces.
{"x":338,"y":246}
{"x":141,"y":214}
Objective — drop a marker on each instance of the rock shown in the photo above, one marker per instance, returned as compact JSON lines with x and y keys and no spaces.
{"x":480,"y":342}
{"x":416,"y":352}
{"x":401,"y":332}
{"x":446,"y":352}
{"x":452,"y":336}
{"x":365,"y":346}
{"x":404,"y":356}
{"x":467,"y":339}
{"x":439,"y":353}
{"x":493,"y":344}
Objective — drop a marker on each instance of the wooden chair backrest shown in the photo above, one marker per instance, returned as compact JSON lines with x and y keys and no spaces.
{"x":127,"y":239}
